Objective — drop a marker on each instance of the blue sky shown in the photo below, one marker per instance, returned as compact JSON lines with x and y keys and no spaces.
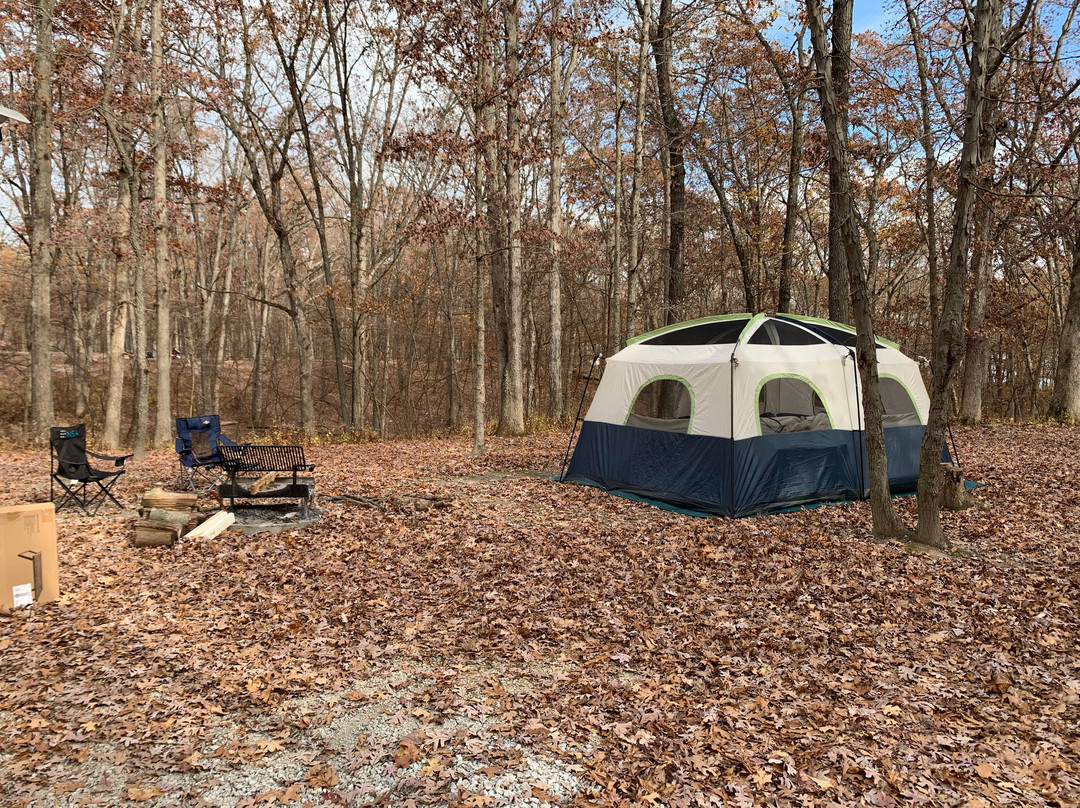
{"x":867,"y":15}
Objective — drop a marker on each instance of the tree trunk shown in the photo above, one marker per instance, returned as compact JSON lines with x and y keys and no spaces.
{"x":977,"y":355}
{"x":675,"y":288}
{"x":1066,"y":398}
{"x":140,"y":366}
{"x":839,"y":68}
{"x":926,"y":139}
{"x":41,"y":259}
{"x":556,"y":404}
{"x":634,"y":222}
{"x":886,"y":522}
{"x":791,"y":208}
{"x":663,"y":50}
{"x":512,"y":410}
{"x":949,"y":334}
{"x":120,"y":305}
{"x":716,"y":180}
{"x":163,"y":427}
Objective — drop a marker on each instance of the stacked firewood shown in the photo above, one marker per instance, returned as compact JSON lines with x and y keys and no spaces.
{"x":165,"y":516}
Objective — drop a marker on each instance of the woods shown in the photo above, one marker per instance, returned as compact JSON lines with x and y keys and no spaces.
{"x":367,"y":218}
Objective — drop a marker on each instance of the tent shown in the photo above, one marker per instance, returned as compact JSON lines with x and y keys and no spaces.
{"x":767,"y":415}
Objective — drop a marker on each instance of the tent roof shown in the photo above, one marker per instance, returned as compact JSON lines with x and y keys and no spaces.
{"x":730,"y":329}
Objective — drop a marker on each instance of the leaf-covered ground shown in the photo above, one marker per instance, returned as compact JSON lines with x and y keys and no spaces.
{"x":543,"y":643}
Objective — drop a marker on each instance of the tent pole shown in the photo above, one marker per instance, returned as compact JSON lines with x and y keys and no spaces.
{"x":731,"y":427}
{"x":577,"y":418}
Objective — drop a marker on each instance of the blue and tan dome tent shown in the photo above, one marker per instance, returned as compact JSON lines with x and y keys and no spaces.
{"x":767,"y":416}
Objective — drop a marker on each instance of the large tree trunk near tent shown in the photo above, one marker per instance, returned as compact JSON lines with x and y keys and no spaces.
{"x":886,"y":522}
{"x":949,"y":334}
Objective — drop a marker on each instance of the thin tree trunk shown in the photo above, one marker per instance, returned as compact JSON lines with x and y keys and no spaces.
{"x":512,"y":411}
{"x":716,"y":180}
{"x":163,"y":427}
{"x":926,"y":139}
{"x":559,"y":90}
{"x":616,"y":227}
{"x":41,"y":257}
{"x":791,"y":209}
{"x":675,"y":291}
{"x":120,"y":305}
{"x":839,"y":73}
{"x":634,"y":221}
{"x":663,"y":52}
{"x":140,"y":366}
{"x":222,"y":333}
{"x":977,"y":356}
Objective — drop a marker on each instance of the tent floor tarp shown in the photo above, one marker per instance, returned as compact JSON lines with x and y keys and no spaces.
{"x":970,"y":485}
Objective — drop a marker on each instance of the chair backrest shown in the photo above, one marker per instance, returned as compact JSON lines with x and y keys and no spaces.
{"x":69,"y":445}
{"x":199,"y":435}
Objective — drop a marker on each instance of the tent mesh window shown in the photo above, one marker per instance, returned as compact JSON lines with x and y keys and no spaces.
{"x":777,"y":332}
{"x":838,"y":335}
{"x":723,"y":332}
{"x":897,"y":408}
{"x":647,"y":409}
{"x":788,"y":405}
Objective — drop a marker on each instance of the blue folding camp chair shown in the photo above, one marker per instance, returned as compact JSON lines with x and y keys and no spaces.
{"x":197,"y":442}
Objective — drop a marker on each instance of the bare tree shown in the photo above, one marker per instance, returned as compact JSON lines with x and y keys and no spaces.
{"x":163,"y":428}
{"x":949,"y":334}
{"x":886,"y":522}
{"x":41,"y":191}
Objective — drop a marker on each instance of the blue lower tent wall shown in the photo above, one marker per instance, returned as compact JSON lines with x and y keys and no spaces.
{"x":771,"y":472}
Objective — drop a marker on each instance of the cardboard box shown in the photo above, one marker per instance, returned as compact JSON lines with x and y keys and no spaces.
{"x":28,"y":539}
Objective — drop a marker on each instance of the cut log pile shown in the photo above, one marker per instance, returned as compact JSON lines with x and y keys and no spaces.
{"x":165,"y":516}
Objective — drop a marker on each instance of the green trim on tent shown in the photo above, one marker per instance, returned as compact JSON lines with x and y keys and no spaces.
{"x":665,"y":377}
{"x":766,"y":379}
{"x":899,"y":381}
{"x":757,"y":318}
{"x":718,"y":318}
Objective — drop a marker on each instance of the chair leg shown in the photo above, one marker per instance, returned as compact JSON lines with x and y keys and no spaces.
{"x":71,"y":497}
{"x":105,"y":492}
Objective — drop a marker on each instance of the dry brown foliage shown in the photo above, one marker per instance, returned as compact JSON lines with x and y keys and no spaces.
{"x":785,"y":659}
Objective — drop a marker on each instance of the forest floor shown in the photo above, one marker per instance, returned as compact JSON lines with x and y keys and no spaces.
{"x":537,"y":643}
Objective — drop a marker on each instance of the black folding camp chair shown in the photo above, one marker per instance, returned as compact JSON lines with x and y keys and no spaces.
{"x":197,"y":442}
{"x":81,"y":483}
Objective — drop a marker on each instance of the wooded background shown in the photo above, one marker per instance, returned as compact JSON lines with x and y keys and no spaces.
{"x":361,"y":217}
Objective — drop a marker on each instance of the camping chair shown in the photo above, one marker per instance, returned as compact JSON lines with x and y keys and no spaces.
{"x":82,"y":484}
{"x":197,"y":442}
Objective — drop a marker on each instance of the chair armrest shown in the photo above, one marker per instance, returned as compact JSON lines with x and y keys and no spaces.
{"x":119,"y":461}
{"x":224,"y":441}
